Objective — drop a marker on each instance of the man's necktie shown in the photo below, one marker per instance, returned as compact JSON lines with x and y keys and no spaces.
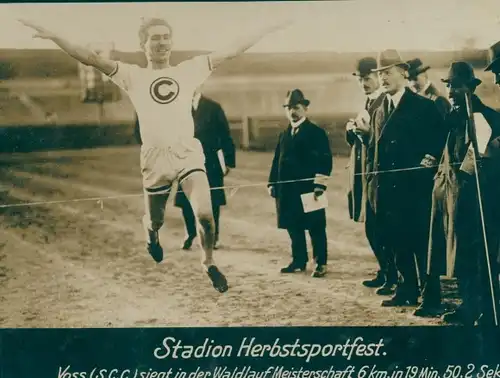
{"x":390,"y":106}
{"x":369,"y":103}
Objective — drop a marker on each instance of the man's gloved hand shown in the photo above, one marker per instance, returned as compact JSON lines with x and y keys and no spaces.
{"x":272,"y":191}
{"x":318,"y":192}
{"x":428,"y":161}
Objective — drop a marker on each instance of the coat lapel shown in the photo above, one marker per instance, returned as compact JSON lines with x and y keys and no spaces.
{"x":299,"y":131}
{"x":387,"y":120}
{"x":375,"y":104}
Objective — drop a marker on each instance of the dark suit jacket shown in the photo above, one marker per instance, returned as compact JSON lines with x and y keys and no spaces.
{"x":435,"y":95}
{"x":300,"y":157}
{"x":399,"y":143}
{"x":212,"y":130}
{"x":356,"y":195}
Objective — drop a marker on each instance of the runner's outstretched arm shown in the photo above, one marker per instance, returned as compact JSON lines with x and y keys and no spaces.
{"x":242,"y":45}
{"x":80,"y":53}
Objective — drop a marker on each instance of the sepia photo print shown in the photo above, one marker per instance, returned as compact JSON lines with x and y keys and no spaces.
{"x":181,"y":164}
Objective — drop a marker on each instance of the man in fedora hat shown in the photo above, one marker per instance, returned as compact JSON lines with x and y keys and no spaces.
{"x":456,"y":242}
{"x":357,"y":136}
{"x":420,"y":82}
{"x":408,"y":139}
{"x":494,"y":62}
{"x":302,"y":164}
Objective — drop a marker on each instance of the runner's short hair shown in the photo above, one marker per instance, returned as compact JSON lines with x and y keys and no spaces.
{"x":146,"y":23}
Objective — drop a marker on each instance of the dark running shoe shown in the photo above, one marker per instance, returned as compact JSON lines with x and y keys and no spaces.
{"x":219,"y":281}
{"x":154,"y":247}
{"x":188,"y":243}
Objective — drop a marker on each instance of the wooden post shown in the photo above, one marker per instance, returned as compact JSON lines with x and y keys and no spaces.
{"x":245,"y":132}
{"x":255,"y":129}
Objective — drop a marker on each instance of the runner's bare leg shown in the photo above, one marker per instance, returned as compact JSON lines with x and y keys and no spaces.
{"x":197,"y":190}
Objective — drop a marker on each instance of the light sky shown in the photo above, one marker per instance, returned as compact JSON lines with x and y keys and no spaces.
{"x":357,"y":25}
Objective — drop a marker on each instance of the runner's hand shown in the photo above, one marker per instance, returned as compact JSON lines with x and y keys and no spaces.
{"x":41,"y":32}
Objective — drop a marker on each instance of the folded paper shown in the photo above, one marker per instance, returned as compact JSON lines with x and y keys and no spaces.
{"x":310,"y":203}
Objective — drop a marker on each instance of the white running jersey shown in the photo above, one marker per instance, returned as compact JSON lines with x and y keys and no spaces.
{"x":163,"y":98}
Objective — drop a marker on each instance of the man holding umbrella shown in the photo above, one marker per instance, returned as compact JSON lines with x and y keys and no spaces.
{"x":464,"y":236}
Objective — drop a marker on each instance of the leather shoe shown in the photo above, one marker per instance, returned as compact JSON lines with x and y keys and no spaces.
{"x":399,"y":301}
{"x":319,"y":272}
{"x":378,"y":281}
{"x":387,"y":289}
{"x":426,"y":310}
{"x":293,"y":268}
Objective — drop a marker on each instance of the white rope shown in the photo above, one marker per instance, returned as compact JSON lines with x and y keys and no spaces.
{"x":234,"y":189}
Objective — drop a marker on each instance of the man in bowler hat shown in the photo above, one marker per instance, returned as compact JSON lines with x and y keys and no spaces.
{"x":302,"y":164}
{"x":494,"y":62}
{"x":456,"y":243}
{"x":419,"y":80}
{"x":408,"y":139}
{"x":357,"y":136}
{"x":211,"y":128}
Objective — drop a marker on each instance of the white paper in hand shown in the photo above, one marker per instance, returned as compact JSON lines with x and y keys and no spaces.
{"x":483,"y":132}
{"x":312,"y":204}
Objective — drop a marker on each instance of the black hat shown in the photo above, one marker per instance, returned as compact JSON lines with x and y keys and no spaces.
{"x":493,"y":56}
{"x":416,"y":68}
{"x":365,"y":66}
{"x":295,"y":97}
{"x":461,"y":73}
{"x":390,"y":58}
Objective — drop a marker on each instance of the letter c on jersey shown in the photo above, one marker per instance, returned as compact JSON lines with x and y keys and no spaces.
{"x":164,"y":90}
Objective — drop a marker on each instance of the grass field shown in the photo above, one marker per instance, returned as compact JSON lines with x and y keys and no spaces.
{"x":74,"y":263}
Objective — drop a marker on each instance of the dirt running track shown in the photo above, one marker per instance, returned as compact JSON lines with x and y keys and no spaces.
{"x":83,"y":263}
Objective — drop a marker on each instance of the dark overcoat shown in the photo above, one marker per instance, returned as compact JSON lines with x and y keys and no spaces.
{"x":357,"y":190}
{"x":211,"y":128}
{"x":442,"y":103}
{"x":306,"y":155}
{"x":399,"y":191}
{"x":455,"y":240}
